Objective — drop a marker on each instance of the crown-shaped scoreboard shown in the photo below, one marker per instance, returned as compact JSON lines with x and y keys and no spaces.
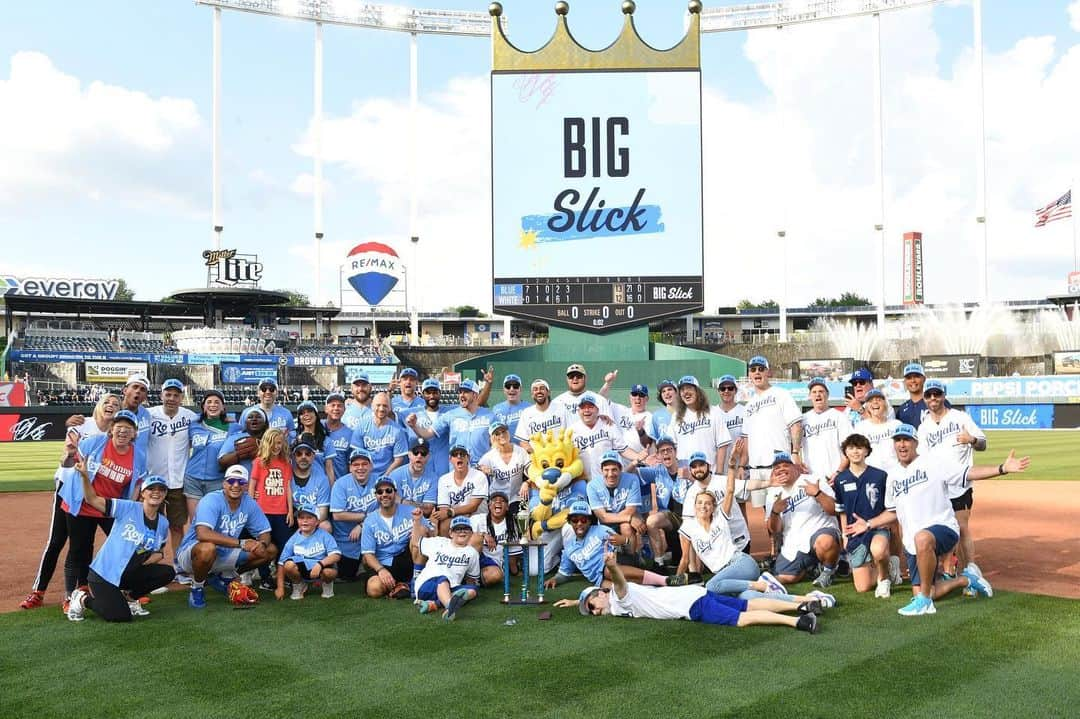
{"x":596,"y":177}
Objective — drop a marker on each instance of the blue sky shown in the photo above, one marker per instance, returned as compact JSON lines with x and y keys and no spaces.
{"x":105,"y":145}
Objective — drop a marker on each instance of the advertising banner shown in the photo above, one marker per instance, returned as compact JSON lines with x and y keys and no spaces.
{"x":950,"y":365}
{"x":232,"y":373}
{"x":12,"y":394}
{"x":104,"y":372}
{"x":963,"y":391}
{"x":1067,"y":362}
{"x":913,"y":268}
{"x":830,"y":369}
{"x":377,"y":374}
{"x":1013,"y":416}
{"x":31,"y":427}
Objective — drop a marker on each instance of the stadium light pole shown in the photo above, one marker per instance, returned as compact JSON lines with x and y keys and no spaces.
{"x":316,"y":131}
{"x":879,"y":173}
{"x":980,"y":149}
{"x":783,"y":175}
{"x":215,"y":141}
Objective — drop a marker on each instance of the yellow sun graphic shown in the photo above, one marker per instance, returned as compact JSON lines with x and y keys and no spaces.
{"x":528,"y":239}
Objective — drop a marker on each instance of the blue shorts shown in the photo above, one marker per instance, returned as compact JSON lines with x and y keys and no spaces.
{"x":944,"y":538}
{"x":803,"y":561}
{"x":859,"y":554}
{"x":486,"y":561}
{"x":429,"y":589}
{"x":717,"y":609}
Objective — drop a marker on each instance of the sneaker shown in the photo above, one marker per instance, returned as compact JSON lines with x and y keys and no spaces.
{"x":400,"y":591}
{"x":269,"y":585}
{"x":827,"y":600}
{"x":327,"y":590}
{"x":678,"y":580}
{"x":694,"y":578}
{"x":456,"y":601}
{"x":197,"y":598}
{"x":896,"y":577}
{"x":884,"y":589}
{"x":76,"y":606}
{"x":978,"y":584}
{"x":807,"y":623}
{"x":182,"y":578}
{"x":974,"y":569}
{"x":137,"y":609}
{"x":160,"y":590}
{"x":217,"y":583}
{"x":298,"y":589}
{"x":825,"y":578}
{"x":426,"y":606}
{"x":775,"y":585}
{"x":811,"y":607}
{"x":918,"y":606}
{"x":33,"y":600}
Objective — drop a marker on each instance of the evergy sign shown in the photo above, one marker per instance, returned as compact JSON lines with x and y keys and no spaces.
{"x":62,"y":288}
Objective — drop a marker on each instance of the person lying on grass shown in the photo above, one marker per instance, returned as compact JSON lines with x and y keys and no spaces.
{"x":693,"y":602}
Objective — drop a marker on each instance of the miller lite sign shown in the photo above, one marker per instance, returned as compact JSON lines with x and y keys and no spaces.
{"x":226,"y":268}
{"x":373,"y":269}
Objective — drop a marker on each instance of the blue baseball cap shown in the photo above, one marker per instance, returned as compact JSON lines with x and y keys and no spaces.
{"x":429,"y":383}
{"x":126,"y":415}
{"x":874,"y":393}
{"x":460,"y":523}
{"x":905,"y":430}
{"x":419,"y":442}
{"x":698,"y":457}
{"x":511,"y":378}
{"x":728,"y":379}
{"x":361,"y":377}
{"x":307,"y":404}
{"x":459,"y":447}
{"x":818,"y":382}
{"x":688,"y":379}
{"x":306,"y":441}
{"x":758,"y":361}
{"x":335,"y":396}
{"x":154,"y":480}
{"x":589,"y":398}
{"x":307,"y":507}
{"x":172,"y":384}
{"x":862,"y":374}
{"x":268,"y":382}
{"x":610,"y":456}
{"x":409,"y":372}
{"x":781,"y":458}
{"x":664,"y":383}
{"x":914,"y":368}
{"x":579,"y":508}
{"x":496,"y":426}
{"x":934,"y":384}
{"x":583,"y":599}
{"x":640,"y":389}
{"x":360,"y":453}
{"x":664,"y":439}
{"x":467,"y":385}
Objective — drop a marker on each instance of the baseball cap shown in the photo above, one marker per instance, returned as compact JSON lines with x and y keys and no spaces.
{"x":214,"y":393}
{"x":385,"y":480}
{"x":579,"y":508}
{"x":727,"y":379}
{"x":589,"y":398}
{"x":467,"y":385}
{"x":360,"y":453}
{"x":496,"y":426}
{"x":758,"y":361}
{"x":780,"y":458}
{"x":308,"y":508}
{"x":429,"y":383}
{"x":419,"y":442}
{"x":511,"y":378}
{"x":361,"y":377}
{"x":307,"y":404}
{"x":583,"y":599}
{"x":268,"y":382}
{"x":914,"y":368}
{"x":409,"y":372}
{"x":499,"y":493}
{"x":905,"y":430}
{"x":540,"y":383}
{"x":862,"y":374}
{"x":306,"y":441}
{"x":610,"y":456}
{"x":664,"y":439}
{"x":639,"y":389}
{"x":576,"y":368}
{"x":460,"y":523}
{"x":688,"y":379}
{"x":817,"y":382}
{"x":154,"y":480}
{"x":138,"y":379}
{"x":934,"y":384}
{"x":874,"y":393}
{"x":237,"y":471}
{"x":698,"y":457}
{"x":459,"y":448}
{"x":664,"y":383}
{"x":128,"y":416}
{"x":172,"y":384}
{"x":335,"y":397}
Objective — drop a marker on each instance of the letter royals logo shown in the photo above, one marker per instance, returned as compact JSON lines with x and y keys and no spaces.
{"x":373,"y":270}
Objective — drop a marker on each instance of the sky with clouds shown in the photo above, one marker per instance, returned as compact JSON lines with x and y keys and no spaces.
{"x":105,"y":146}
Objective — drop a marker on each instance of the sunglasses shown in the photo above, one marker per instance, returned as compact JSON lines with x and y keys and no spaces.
{"x":512,"y":385}
{"x":638,"y":394}
{"x":579,"y":519}
{"x":462,"y":455}
{"x":727,"y":388}
{"x":419,"y":452}
{"x":268,"y":389}
{"x":575,"y":375}
{"x":385,"y":490}
{"x":934,"y":393}
{"x":757,"y":368}
{"x":235,"y":480}
{"x":303,"y":453}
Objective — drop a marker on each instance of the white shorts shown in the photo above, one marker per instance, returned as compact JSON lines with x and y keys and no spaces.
{"x":225,"y":564}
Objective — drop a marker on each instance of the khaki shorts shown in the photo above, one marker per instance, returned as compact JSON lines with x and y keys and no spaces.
{"x":176,"y":508}
{"x":757,"y":497}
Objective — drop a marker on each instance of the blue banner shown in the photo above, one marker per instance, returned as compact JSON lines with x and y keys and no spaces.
{"x":221,"y":358}
{"x":335,"y":360}
{"x":40,"y":356}
{"x":377,"y":374}
{"x":1013,"y":416}
{"x":959,"y":391}
{"x":247,"y":373}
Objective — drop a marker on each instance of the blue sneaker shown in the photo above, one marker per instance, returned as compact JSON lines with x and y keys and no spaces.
{"x":217,"y":583}
{"x":978,"y":584}
{"x":918,"y":606}
{"x":197,"y":598}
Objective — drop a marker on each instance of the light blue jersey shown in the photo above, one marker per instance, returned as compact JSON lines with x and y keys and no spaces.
{"x":388,"y":537}
{"x":402,"y":407}
{"x":276,"y":418}
{"x":438,"y":446}
{"x":131,"y":535}
{"x":309,"y":549}
{"x":509,"y":414}
{"x":665,"y":485}
{"x":419,"y":490}
{"x":626,"y":494}
{"x":214,"y":512}
{"x":348,"y":495}
{"x":206,"y":444}
{"x":355,"y":413}
{"x":585,"y":555}
{"x":385,"y":443}
{"x":339,"y":439}
{"x":661,"y":418}
{"x":467,"y":429}
{"x":316,"y":491}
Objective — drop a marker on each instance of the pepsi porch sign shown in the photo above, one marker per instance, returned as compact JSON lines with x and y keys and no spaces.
{"x":596,"y":196}
{"x":373,"y":270}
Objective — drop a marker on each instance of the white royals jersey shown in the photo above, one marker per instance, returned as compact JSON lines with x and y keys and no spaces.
{"x":627,"y":420}
{"x":592,"y":442}
{"x":717,"y":487}
{"x":506,"y":475}
{"x":474,"y":485}
{"x":920,"y":492}
{"x":713,"y":545}
{"x":169,"y":446}
{"x":939,"y":436}
{"x":803,"y":515}
{"x":822,"y":434}
{"x":768,"y":416}
{"x":733,"y":420}
{"x":446,"y":559}
{"x":706,"y":432}
{"x":570,"y":401}
{"x":534,"y":420}
{"x":882,"y":455}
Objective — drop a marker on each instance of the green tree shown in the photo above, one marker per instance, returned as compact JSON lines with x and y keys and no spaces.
{"x":848,"y":299}
{"x":296,"y":299}
{"x":123,"y":292}
{"x":764,"y":305}
{"x":465,"y":311}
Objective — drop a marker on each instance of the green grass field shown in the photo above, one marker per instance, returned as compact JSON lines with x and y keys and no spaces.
{"x":1007,"y":656}
{"x":28,"y":466}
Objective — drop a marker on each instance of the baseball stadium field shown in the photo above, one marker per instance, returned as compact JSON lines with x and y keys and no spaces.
{"x":1011,"y":655}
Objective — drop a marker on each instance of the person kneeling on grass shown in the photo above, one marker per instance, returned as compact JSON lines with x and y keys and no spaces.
{"x":131,"y":558}
{"x":447,"y":561}
{"x":310,"y":555}
{"x":693,"y":602}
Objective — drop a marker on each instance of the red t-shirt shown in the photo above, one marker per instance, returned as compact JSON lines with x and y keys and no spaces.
{"x":112,"y":478}
{"x":269,"y":483}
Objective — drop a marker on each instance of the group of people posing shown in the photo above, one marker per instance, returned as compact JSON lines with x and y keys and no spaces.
{"x":418,"y":501}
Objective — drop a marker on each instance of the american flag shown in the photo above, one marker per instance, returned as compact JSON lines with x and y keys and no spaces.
{"x":1059,"y":209}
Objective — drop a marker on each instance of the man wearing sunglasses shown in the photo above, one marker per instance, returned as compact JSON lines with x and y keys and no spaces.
{"x":862,"y":381}
{"x":384,"y":544}
{"x":417,"y":482}
{"x":509,"y":412}
{"x":213,"y":550}
{"x":467,"y":425}
{"x":462,"y":491}
{"x":732,"y":413}
{"x":277,"y":417}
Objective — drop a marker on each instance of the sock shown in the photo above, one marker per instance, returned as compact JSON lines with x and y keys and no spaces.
{"x":828,"y":568}
{"x":652,"y":579}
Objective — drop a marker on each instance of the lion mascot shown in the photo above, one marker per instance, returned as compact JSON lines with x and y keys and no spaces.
{"x":555,"y":467}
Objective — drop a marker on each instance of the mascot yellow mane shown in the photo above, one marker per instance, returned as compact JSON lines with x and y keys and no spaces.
{"x":555,"y":464}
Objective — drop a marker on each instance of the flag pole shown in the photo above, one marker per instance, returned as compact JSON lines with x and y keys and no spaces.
{"x":1075,"y":227}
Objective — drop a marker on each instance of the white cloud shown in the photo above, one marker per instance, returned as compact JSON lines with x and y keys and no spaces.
{"x":59,"y":139}
{"x":304,"y":184}
{"x":1074,"y":15}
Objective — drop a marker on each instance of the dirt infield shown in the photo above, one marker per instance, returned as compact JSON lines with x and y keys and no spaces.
{"x":1025,"y":539}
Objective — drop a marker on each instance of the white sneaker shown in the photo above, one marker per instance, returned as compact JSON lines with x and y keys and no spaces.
{"x":973,"y":568}
{"x":896,"y":577}
{"x":160,"y":590}
{"x":328,"y":590}
{"x":298,"y":589}
{"x":775,"y":586}
{"x":884,"y":589}
{"x":137,"y":610}
{"x":76,"y":606}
